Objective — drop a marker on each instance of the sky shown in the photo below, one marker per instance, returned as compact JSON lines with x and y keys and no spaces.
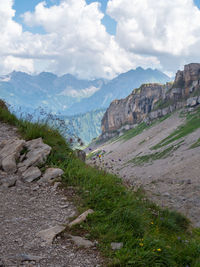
{"x":91,"y":39}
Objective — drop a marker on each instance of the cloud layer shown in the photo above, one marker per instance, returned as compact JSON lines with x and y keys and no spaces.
{"x":150,"y":33}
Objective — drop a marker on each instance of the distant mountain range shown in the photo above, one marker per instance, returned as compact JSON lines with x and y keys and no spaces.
{"x":69,"y":95}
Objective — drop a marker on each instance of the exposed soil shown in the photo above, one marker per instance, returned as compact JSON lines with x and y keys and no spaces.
{"x":173,"y":181}
{"x":28,"y":208}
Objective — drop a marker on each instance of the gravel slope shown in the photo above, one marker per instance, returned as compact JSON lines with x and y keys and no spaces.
{"x":25,"y":210}
{"x":173,"y":181}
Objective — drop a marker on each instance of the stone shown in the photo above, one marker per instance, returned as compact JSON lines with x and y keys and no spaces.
{"x":166,"y":194}
{"x":198,"y":100}
{"x":116,"y":246}
{"x":26,"y":257}
{"x":52,"y":173}
{"x":81,"y":218}
{"x":192,"y":101}
{"x":31,"y":174}
{"x":9,"y":153}
{"x":49,"y":234}
{"x":9,"y":182}
{"x":81,"y":242}
{"x":36,"y":155}
{"x":9,"y":164}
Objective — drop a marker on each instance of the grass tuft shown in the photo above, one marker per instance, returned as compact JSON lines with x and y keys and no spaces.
{"x":191,"y":125}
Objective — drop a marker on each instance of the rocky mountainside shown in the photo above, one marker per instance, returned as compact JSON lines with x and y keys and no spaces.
{"x":151,"y":101}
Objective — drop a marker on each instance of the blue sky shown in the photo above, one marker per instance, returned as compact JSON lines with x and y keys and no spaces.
{"x":68,"y":36}
{"x":22,"y":6}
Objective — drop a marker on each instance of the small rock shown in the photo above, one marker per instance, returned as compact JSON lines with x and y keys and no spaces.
{"x":166,"y":194}
{"x":52,"y":173}
{"x":82,"y":242}
{"x":56,"y":185}
{"x":116,"y":246}
{"x":26,"y":257}
{"x":81,"y":218}
{"x":48,"y":235}
{"x":10,"y":182}
{"x":31,"y":174}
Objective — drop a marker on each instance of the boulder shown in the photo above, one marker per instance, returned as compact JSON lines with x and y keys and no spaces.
{"x":52,"y":173}
{"x":49,"y":234}
{"x":192,"y":101}
{"x":81,"y":242}
{"x":37,"y":154}
{"x":9,"y":152}
{"x":9,"y":164}
{"x":31,"y":174}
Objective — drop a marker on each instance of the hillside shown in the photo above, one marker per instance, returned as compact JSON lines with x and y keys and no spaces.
{"x":152,"y":140}
{"x":127,"y":228}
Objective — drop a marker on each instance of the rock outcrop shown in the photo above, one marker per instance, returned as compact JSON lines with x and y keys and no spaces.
{"x":22,"y":159}
{"x":152,"y":101}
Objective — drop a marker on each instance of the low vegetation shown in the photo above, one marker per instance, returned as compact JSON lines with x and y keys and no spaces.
{"x":192,"y":124}
{"x":140,"y":160}
{"x":196,"y":144}
{"x":138,"y":130}
{"x":151,"y":236}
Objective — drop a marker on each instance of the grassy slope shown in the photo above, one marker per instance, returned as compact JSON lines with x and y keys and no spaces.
{"x":151,"y":236}
{"x":191,"y":125}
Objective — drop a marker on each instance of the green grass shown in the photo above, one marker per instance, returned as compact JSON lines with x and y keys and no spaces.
{"x":196,"y":144}
{"x":140,"y":160}
{"x":151,"y":236}
{"x":138,"y":130}
{"x":192,"y":124}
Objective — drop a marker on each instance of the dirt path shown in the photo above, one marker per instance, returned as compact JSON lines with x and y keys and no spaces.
{"x":172,"y":181}
{"x":28,"y":208}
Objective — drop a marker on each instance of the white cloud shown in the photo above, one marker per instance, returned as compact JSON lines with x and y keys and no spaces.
{"x":81,"y":42}
{"x":150,"y":33}
{"x":166,"y":29}
{"x":81,"y":93}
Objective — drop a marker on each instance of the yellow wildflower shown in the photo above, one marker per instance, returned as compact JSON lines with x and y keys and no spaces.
{"x":152,"y":222}
{"x":159,"y":249}
{"x":141,"y":244}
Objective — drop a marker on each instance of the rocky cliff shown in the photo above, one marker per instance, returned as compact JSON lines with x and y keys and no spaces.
{"x":151,"y":101}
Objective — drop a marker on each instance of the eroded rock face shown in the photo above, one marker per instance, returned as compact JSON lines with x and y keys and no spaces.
{"x":143,"y":103}
{"x":134,"y":108}
{"x":189,"y":78}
